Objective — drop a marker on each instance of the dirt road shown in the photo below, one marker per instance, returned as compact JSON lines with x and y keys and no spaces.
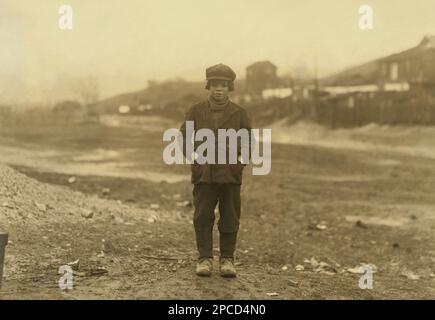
{"x":327,"y":210}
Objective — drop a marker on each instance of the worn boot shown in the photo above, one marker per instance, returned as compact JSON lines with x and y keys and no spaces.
{"x":227,"y":268}
{"x":204,"y":267}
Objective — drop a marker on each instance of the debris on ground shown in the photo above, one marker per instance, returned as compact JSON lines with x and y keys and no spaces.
{"x":75,"y":265}
{"x":361,"y":224}
{"x":410,"y":275}
{"x":184,"y":203}
{"x":272,"y":294}
{"x":317,"y":227}
{"x":321,"y":267}
{"x":87,"y":214}
{"x":7,"y":205}
{"x":363,"y":268}
{"x":72,"y":180}
{"x":299,"y":267}
{"x":293,"y":283}
{"x":55,"y":203}
{"x":41,"y":207}
{"x":99,"y":271}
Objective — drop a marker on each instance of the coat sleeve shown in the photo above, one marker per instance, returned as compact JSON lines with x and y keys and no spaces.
{"x":186,"y":137}
{"x":246,"y":123}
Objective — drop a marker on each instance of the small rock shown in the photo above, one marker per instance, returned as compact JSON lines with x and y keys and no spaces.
{"x":88,"y":214}
{"x":362,"y":268}
{"x":41,"y":207}
{"x":105,"y":191}
{"x":272,"y":294}
{"x":299,"y":268}
{"x":356,"y":270}
{"x":187,"y":203}
{"x":79,"y":274}
{"x":293,"y":283}
{"x":184,"y":204}
{"x":154,"y":206}
{"x":325,"y":268}
{"x":284,"y":268}
{"x":72,"y":180}
{"x":151,"y":220}
{"x":317,"y":227}
{"x":314,"y":262}
{"x":360,"y":224}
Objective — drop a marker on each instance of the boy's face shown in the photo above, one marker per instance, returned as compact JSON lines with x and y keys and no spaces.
{"x":219,"y":89}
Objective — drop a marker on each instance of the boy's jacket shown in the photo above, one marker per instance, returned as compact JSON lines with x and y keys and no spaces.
{"x":235,"y":117}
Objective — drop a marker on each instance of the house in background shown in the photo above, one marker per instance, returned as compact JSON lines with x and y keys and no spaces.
{"x":261,"y":75}
{"x":414,"y":67}
{"x":397,"y":89}
{"x":410,"y":68}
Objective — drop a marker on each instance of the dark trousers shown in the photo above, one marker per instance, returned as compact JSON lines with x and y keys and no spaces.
{"x":205,"y":198}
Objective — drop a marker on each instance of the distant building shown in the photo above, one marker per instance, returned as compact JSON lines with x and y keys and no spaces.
{"x":415,"y":66}
{"x":397,"y":72}
{"x":260,"y":76}
{"x":397,"y":89}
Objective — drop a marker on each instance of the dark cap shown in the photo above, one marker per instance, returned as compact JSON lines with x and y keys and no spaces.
{"x":220,"y":72}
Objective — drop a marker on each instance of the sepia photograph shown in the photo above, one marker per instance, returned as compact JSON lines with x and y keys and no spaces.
{"x":217,"y":151}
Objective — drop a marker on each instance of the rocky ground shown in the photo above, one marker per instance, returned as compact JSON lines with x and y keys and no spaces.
{"x":306,"y":228}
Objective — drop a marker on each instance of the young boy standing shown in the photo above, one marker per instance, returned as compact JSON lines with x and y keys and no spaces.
{"x":217,"y":183}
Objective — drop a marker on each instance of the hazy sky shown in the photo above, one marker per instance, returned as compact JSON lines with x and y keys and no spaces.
{"x":126,"y":43}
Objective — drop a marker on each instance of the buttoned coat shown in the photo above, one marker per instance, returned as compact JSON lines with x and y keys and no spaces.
{"x":234,"y":117}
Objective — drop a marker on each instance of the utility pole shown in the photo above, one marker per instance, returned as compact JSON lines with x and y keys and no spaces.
{"x":316,"y":88}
